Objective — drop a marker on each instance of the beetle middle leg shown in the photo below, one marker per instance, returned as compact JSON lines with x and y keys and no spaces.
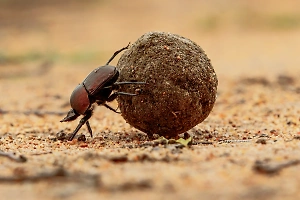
{"x":112,"y":109}
{"x":114,"y":95}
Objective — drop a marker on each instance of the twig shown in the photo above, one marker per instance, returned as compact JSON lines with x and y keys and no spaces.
{"x":60,"y":172}
{"x":41,"y":153}
{"x":43,"y":113}
{"x":54,"y":175}
{"x":234,"y":141}
{"x":266,"y":168}
{"x":13,"y":156}
{"x":33,"y":112}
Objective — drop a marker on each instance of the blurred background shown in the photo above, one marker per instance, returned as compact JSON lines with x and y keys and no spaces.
{"x":70,"y":38}
{"x":235,"y":34}
{"x":47,"y":47}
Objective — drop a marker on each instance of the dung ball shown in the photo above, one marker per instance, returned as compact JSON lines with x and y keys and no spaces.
{"x":180,"y":89}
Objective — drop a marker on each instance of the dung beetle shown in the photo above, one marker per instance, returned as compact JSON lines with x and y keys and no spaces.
{"x":97,"y":88}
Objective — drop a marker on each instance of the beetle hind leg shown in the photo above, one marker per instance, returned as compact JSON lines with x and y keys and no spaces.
{"x":116,"y":53}
{"x":112,"y":109}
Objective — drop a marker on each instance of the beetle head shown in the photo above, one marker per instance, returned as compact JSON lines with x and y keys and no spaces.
{"x":72,"y":115}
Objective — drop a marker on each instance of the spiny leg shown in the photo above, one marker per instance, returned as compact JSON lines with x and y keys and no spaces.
{"x":114,"y":95}
{"x":102,"y":103}
{"x":116,"y":53}
{"x":112,"y":109}
{"x":89,"y":128}
{"x":116,"y":85}
{"x":83,"y":121}
{"x":128,"y":82}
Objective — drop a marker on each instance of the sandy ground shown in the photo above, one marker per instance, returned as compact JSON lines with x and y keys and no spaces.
{"x":248,"y":148}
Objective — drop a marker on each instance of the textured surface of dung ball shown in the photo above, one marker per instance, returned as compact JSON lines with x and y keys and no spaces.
{"x":181,"y":84}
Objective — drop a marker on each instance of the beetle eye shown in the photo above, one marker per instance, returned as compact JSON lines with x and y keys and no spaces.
{"x":72,"y":115}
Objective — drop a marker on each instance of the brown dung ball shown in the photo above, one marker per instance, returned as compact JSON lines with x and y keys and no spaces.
{"x":181,"y":84}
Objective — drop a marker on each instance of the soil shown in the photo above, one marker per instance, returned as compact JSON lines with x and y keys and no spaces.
{"x":247,"y":148}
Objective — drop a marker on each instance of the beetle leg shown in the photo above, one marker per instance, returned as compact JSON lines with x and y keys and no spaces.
{"x":116,"y":53}
{"x":101,"y":103}
{"x":89,"y":128}
{"x":128,"y":82}
{"x":114,"y":95}
{"x":115,"y":86}
{"x":112,"y":109}
{"x":81,"y":122}
{"x":125,"y":93}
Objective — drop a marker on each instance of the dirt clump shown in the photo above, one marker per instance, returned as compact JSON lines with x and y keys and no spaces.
{"x":181,"y":84}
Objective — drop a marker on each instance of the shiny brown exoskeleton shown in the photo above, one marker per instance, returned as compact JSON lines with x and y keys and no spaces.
{"x":97,"y":88}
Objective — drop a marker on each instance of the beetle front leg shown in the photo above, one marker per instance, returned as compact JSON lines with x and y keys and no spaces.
{"x":89,"y":128}
{"x":83,"y":121}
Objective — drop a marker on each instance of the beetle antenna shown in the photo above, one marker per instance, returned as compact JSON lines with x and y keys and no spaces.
{"x":116,"y":53}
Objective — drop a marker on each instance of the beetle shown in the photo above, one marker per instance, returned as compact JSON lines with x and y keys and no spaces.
{"x":97,"y":88}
